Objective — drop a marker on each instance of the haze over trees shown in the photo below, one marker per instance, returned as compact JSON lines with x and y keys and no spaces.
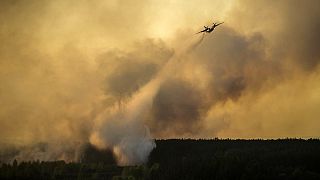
{"x":188,"y":159}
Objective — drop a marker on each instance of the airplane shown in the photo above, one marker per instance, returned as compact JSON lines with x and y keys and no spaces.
{"x":209,"y":29}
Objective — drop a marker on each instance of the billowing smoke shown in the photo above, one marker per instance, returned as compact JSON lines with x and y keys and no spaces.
{"x":117,"y":74}
{"x":122,"y":128}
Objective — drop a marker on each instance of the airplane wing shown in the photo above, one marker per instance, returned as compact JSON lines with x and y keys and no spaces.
{"x":219,"y":23}
{"x":201,"y":31}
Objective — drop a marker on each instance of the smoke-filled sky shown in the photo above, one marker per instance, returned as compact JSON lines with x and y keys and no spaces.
{"x":72,"y":72}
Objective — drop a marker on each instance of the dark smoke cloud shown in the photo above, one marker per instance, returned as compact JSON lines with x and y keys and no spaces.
{"x":291,"y":27}
{"x":271,"y":49}
{"x":239,"y":65}
{"x":176,"y":108}
{"x":300,"y":33}
{"x":127,"y":72}
{"x":235,"y":62}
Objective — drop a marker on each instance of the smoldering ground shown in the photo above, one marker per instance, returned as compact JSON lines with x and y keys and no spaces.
{"x":69,"y":77}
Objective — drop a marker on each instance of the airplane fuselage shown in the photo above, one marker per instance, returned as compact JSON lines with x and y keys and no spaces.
{"x":209,"y":30}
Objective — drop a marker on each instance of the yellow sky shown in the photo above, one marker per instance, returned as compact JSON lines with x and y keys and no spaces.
{"x":65,"y":63}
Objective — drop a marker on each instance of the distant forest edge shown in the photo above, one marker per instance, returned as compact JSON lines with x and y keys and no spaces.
{"x":288,"y":158}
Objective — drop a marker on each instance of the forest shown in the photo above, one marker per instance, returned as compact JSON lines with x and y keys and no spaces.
{"x":188,"y":159}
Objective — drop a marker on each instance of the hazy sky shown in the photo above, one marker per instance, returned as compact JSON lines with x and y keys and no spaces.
{"x":64,"y":63}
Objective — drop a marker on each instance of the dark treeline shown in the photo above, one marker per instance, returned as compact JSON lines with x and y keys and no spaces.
{"x":237,"y":159}
{"x":188,"y":159}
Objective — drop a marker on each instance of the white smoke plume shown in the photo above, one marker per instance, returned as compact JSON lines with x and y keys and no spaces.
{"x":122,"y":129}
